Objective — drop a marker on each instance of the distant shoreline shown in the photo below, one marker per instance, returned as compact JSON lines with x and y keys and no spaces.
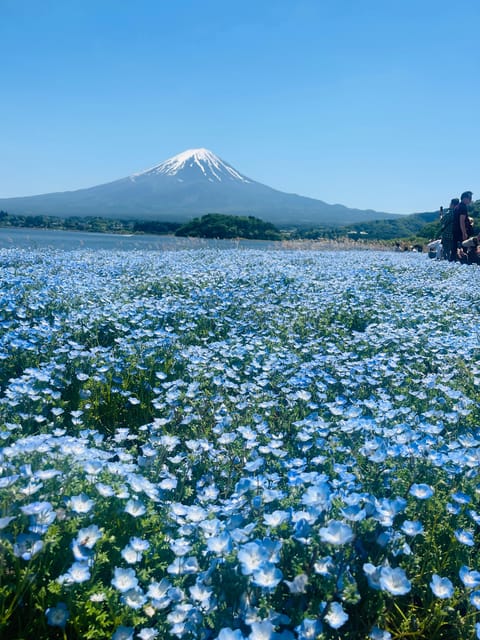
{"x":67,"y":239}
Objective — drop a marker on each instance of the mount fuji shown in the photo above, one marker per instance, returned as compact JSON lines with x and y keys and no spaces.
{"x":190,"y":184}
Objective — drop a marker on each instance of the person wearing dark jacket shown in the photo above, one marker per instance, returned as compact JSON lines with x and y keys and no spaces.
{"x":447,"y":229}
{"x":460,"y":222}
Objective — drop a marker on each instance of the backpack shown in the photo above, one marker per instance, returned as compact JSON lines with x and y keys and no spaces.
{"x":447,"y":220}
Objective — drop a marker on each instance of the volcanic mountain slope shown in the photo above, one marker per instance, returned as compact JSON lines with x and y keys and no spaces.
{"x":190,"y":184}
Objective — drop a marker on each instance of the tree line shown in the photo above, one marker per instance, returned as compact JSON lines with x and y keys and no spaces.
{"x":211,"y":225}
{"x":95,"y":224}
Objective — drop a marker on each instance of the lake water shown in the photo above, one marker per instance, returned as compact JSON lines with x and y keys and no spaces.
{"x":12,"y":237}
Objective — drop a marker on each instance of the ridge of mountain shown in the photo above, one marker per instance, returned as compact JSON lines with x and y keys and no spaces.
{"x":190,"y":184}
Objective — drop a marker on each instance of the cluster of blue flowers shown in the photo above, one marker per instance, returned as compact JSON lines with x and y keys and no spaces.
{"x":233,"y":445}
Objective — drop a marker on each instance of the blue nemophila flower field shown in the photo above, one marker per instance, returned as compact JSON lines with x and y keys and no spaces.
{"x":261,"y":445}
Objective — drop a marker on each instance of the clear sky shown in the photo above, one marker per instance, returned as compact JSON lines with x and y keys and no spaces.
{"x":369,"y":103}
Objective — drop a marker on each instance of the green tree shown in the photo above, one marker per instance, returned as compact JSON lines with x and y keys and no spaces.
{"x":216,"y":225}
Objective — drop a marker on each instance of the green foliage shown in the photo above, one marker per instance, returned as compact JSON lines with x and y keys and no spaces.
{"x":96,"y":224}
{"x":155,"y":227}
{"x":414,"y":229}
{"x":422,"y":226}
{"x":216,"y":225}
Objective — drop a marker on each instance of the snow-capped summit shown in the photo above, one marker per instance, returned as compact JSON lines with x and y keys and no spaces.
{"x":196,"y":163}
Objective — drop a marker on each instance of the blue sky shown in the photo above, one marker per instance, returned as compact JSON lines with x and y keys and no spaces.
{"x":369,"y":103}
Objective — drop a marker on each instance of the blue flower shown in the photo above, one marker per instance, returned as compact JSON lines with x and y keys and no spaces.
{"x":183,"y":566}
{"x":36,"y":508}
{"x":453,"y":509}
{"x":465,"y":537}
{"x":135,"y":508}
{"x":158,"y":590}
{"x":421,"y":491}
{"x":130,"y":555}
{"x":124,"y":579}
{"x":262,"y":630}
{"x":373,"y":575}
{"x":123,"y":633}
{"x":88,"y":536}
{"x":441,"y":587}
{"x":133,"y":598}
{"x":302,"y":531}
{"x":8,"y":480}
{"x":412,"y":527}
{"x":230,"y":634}
{"x":310,"y":629}
{"x":41,"y":521}
{"x":57,"y":616}
{"x":81,"y":503}
{"x":180,"y":546}
{"x":79,"y":572}
{"x":4,"y":522}
{"x":475,"y":599}
{"x":254,"y":465}
{"x":470,"y":579}
{"x":139,"y":544}
{"x":474,"y":516}
{"x":354,"y":512}
{"x":201,"y":594}
{"x":324,"y":566}
{"x":147,"y":633}
{"x":394,"y":581}
{"x":461,"y":498}
{"x":336,"y":533}
{"x":27,"y":545}
{"x":104,"y":490}
{"x":267,"y":576}
{"x":81,"y":554}
{"x":386,"y":510}
{"x":336,"y":616}
{"x":276,"y":518}
{"x":220,"y":545}
{"x":317,"y":496}
{"x":251,"y":556}
{"x":298,"y":584}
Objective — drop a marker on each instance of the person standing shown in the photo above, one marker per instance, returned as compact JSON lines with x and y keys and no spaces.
{"x":460,"y":222}
{"x":447,"y":228}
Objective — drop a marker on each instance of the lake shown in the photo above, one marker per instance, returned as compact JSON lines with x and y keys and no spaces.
{"x":14,"y":237}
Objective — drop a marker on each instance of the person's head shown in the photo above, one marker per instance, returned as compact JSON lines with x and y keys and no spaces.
{"x":454,"y":202}
{"x":466,"y":197}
